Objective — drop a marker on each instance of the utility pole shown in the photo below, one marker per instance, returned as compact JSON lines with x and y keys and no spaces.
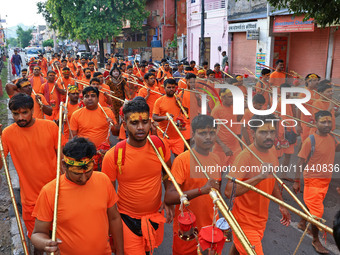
{"x":202,"y":46}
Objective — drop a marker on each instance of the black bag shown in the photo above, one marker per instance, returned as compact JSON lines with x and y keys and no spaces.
{"x":135,"y":225}
{"x":290,"y":136}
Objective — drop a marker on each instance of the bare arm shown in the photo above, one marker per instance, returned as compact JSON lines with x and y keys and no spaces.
{"x":116,"y":229}
{"x":41,"y":238}
{"x":158,"y":118}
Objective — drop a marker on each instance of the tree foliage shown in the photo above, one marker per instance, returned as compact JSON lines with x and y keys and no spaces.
{"x":24,"y":36}
{"x":48,"y":43}
{"x":12,"y":41}
{"x":325,"y":12}
{"x":92,"y":19}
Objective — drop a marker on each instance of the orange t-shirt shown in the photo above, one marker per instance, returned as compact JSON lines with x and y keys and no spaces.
{"x":37,"y":111}
{"x":37,"y":82}
{"x":251,"y":209}
{"x":70,"y":110}
{"x":184,"y":96}
{"x":162,"y":75}
{"x":263,"y":92}
{"x":163,"y":105}
{"x":277,"y":78}
{"x":82,"y":213}
{"x":139,"y":192}
{"x":54,"y":99}
{"x":102,"y":97}
{"x":152,"y":98}
{"x":246,"y":117}
{"x":92,"y":124}
{"x":182,"y":84}
{"x":323,"y":155}
{"x":33,"y":151}
{"x":224,"y":112}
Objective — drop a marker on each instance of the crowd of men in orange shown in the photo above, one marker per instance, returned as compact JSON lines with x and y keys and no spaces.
{"x":133,"y":101}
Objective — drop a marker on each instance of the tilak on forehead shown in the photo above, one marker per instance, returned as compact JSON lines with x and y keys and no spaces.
{"x":267,"y":127}
{"x":325,"y":118}
{"x":139,"y":116}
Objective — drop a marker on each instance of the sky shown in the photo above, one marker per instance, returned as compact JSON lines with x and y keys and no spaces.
{"x":20,"y":12}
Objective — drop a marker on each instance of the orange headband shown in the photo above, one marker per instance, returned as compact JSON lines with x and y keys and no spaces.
{"x":81,"y":170}
{"x":325,"y":118}
{"x":24,"y":84}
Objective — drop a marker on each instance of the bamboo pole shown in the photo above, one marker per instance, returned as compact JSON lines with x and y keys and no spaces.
{"x":289,"y":207}
{"x":181,"y":106}
{"x":55,"y":210}
{"x":328,"y":99}
{"x":15,"y":207}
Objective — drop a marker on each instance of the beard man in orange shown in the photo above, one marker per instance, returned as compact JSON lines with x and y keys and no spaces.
{"x":250,"y":208}
{"x":139,"y":189}
{"x":33,"y":145}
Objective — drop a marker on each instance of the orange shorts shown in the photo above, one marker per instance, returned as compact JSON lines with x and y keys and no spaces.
{"x":254,"y":236}
{"x":134,"y":245}
{"x":175,"y":145}
{"x":28,"y":219}
{"x":313,"y":198}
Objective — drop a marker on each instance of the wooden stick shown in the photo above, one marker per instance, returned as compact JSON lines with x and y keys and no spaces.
{"x":136,"y":83}
{"x":11,"y":192}
{"x":289,"y":207}
{"x":328,"y":99}
{"x":55,"y":211}
{"x":274,"y":69}
{"x":181,"y":106}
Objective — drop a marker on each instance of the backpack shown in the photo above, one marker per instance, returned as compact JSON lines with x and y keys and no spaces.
{"x":312,"y":150}
{"x":120,"y":148}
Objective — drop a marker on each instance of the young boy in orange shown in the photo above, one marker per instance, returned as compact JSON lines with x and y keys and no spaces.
{"x":72,"y":106}
{"x":316,"y":182}
{"x":33,"y":145}
{"x":193,"y":183}
{"x":250,"y":209}
{"x":150,"y":96}
{"x":263,"y":85}
{"x":139,"y":191}
{"x":104,"y":98}
{"x":164,"y":72}
{"x":167,"y":104}
{"x":82,"y":229}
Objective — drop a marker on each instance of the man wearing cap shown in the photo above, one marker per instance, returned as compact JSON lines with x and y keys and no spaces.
{"x":82,"y":229}
{"x":201,"y":74}
{"x":194,"y":184}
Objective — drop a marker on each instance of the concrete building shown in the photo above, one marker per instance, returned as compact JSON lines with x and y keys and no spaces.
{"x":216,"y":30}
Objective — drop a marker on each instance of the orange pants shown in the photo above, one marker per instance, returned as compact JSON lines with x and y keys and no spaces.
{"x":313,"y":197}
{"x":134,"y":245}
{"x":254,"y":236}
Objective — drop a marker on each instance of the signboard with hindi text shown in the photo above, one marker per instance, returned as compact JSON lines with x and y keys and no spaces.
{"x":260,"y":58}
{"x":290,"y":23}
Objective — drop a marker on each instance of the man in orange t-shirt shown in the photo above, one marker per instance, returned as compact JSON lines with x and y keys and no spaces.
{"x":317,"y":171}
{"x":36,"y":79}
{"x":312,"y":81}
{"x":167,"y":104}
{"x":33,"y":145}
{"x":227,"y":146}
{"x":193,"y":66}
{"x":277,"y":77}
{"x":72,"y":106}
{"x":139,"y":192}
{"x":164,"y":72}
{"x":150,"y":96}
{"x":250,"y":209}
{"x":42,"y":62}
{"x":90,"y":121}
{"x":104,"y":98}
{"x":194,"y":184}
{"x":263,"y":87}
{"x":82,"y":229}
{"x":52,"y":92}
{"x":40,"y":108}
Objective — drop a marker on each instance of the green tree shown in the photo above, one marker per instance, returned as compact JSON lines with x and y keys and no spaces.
{"x":325,"y":12}
{"x":93,"y":19}
{"x":47,"y":43}
{"x":12,"y":41}
{"x":24,"y":36}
